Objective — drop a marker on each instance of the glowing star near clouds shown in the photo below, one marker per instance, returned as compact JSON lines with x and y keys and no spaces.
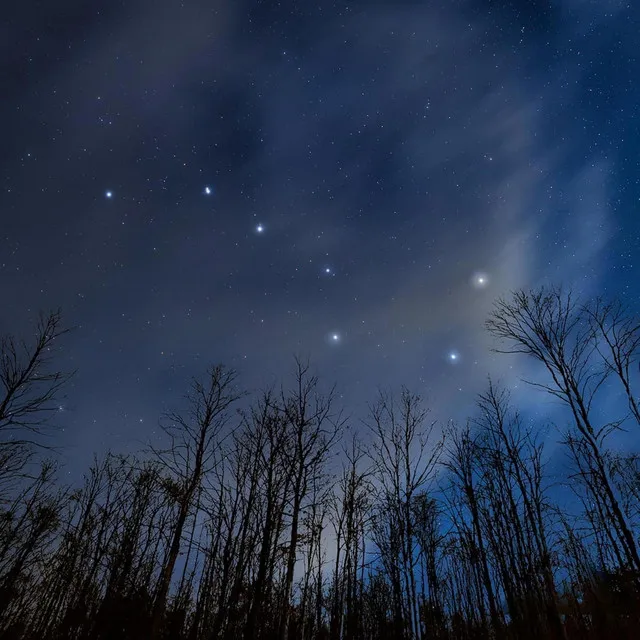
{"x":333,"y":337}
{"x":480,"y":280}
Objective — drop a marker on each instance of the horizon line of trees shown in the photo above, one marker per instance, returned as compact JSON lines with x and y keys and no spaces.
{"x":274,"y":519}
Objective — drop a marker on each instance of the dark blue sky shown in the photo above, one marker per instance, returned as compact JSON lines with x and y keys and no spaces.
{"x":377,"y":172}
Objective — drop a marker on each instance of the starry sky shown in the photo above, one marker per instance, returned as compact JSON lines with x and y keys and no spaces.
{"x":213,"y":181}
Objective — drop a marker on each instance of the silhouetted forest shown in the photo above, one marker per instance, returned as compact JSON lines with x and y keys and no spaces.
{"x":280,"y":516}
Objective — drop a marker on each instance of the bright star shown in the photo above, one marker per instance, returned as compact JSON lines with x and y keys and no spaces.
{"x":208,"y":191}
{"x":480,"y":280}
{"x":327,"y":270}
{"x":108,"y":194}
{"x":453,"y":357}
{"x":259,"y":228}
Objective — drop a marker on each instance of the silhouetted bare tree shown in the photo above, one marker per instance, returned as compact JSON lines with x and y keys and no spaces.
{"x":194,"y":438}
{"x":551,"y":326}
{"x":30,"y":382}
{"x":617,"y":337}
{"x":404,"y":456}
{"x":313,"y":424}
{"x":349,"y":516}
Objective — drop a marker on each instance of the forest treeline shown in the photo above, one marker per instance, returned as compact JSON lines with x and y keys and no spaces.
{"x":275,"y":517}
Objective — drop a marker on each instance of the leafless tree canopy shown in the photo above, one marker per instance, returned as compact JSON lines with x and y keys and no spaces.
{"x":276,"y":516}
{"x":30,"y":382}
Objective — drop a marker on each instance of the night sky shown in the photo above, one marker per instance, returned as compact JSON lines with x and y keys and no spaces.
{"x":213,"y":181}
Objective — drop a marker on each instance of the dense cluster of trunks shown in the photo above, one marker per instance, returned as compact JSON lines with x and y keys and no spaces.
{"x":279,"y":517}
